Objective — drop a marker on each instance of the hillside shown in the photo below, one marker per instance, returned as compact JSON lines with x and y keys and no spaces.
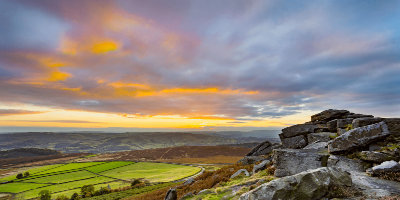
{"x":181,"y":154}
{"x":108,"y":142}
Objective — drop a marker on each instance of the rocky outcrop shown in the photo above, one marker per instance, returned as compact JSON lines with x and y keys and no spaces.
{"x":247,"y":160}
{"x":312,"y":184}
{"x":317,"y":145}
{"x":300,"y":129}
{"x":346,"y":164}
{"x":358,"y":137}
{"x":240,"y":171}
{"x":344,"y":123}
{"x":393,"y":125}
{"x":292,"y":161}
{"x":171,"y":195}
{"x":332,"y":125}
{"x":295,"y":142}
{"x":328,"y":115}
{"x":263,"y":148}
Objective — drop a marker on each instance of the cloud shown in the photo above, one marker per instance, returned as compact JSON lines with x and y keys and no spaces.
{"x":57,"y":121}
{"x":7,"y":112}
{"x":233,"y":60}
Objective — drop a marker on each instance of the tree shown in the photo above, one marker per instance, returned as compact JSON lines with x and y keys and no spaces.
{"x":62,"y":197}
{"x":20,"y":175}
{"x":45,"y":195}
{"x":26,"y":174}
{"x":75,"y":196}
{"x":87,"y":190}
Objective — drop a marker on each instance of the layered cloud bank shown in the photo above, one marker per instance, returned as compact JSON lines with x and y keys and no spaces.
{"x":196,"y":63}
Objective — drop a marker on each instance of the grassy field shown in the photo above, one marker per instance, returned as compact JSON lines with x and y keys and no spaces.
{"x":69,"y":178}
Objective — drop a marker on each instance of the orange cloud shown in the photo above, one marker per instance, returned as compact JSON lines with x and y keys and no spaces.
{"x":58,"y":76}
{"x":104,"y":47}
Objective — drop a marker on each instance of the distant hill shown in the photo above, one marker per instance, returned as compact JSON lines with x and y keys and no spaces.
{"x":26,"y":152}
{"x":112,"y":142}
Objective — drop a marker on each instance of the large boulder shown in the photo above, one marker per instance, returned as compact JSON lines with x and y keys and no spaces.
{"x":312,"y":184}
{"x":393,"y":125}
{"x":171,"y":195}
{"x":317,"y":145}
{"x":374,"y":156}
{"x":299,"y":129}
{"x":346,"y":164}
{"x":320,"y":137}
{"x":358,"y":137}
{"x":365,"y":121}
{"x":328,"y":115}
{"x":261,"y":166}
{"x":332,"y":125}
{"x":263,"y":148}
{"x":292,"y":161}
{"x":296,"y":142}
{"x":385,"y":167}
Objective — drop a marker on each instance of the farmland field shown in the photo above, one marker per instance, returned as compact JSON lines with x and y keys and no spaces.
{"x":69,"y":178}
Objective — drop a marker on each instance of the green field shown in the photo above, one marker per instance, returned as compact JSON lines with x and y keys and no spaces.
{"x":69,"y":178}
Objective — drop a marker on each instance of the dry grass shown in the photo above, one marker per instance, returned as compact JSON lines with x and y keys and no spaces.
{"x":392,"y":176}
{"x":396,"y":197}
{"x":342,"y":192}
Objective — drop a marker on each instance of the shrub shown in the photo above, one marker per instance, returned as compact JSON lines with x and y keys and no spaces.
{"x":26,"y":174}
{"x":44,"y":195}
{"x":136,"y":182}
{"x":87,"y":190}
{"x":20,"y":175}
{"x":62,"y":197}
{"x":75,"y":196}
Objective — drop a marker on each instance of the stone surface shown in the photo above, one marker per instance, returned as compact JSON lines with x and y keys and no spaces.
{"x":171,"y":195}
{"x":343,"y":123}
{"x":320,"y":137}
{"x":246,"y":173}
{"x":247,"y":160}
{"x":393,"y":125}
{"x":296,"y":142}
{"x":365,"y":121}
{"x":358,"y":137}
{"x":373,"y":156}
{"x":330,"y":114}
{"x":332,"y":125}
{"x":292,"y":161}
{"x":345,"y":164}
{"x":261,"y":166}
{"x":385,"y":167}
{"x":263,"y":148}
{"x":341,"y":131}
{"x":317,"y":145}
{"x":312,"y":184}
{"x":354,"y":116}
{"x":374,"y":187}
{"x":299,"y":129}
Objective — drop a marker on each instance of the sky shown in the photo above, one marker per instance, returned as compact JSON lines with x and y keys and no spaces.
{"x":194,"y":64}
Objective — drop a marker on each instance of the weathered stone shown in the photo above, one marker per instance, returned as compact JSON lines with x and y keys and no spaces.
{"x":187,"y":195}
{"x":374,"y":156}
{"x":205,"y":191}
{"x":261,"y":166}
{"x":385,"y":167}
{"x":292,"y":161}
{"x":343,"y":123}
{"x":296,"y":142}
{"x":358,"y":137}
{"x":320,"y":137}
{"x":246,"y":173}
{"x":393,"y":125}
{"x":317,"y":145}
{"x":341,"y":131}
{"x":263,"y":148}
{"x":374,"y":187}
{"x":365,"y":121}
{"x":171,"y":195}
{"x":332,"y":125}
{"x":354,"y":116}
{"x":312,"y":184}
{"x":247,"y":160}
{"x":299,"y":129}
{"x":330,"y":114}
{"x":346,"y":164}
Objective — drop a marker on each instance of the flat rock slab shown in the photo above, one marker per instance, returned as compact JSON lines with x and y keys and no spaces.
{"x":292,"y":161}
{"x":317,"y":145}
{"x":345,"y":164}
{"x":299,"y":129}
{"x":358,"y":137}
{"x":296,"y":142}
{"x":320,"y":137}
{"x":374,"y":187}
{"x":312,"y":184}
{"x":330,"y":114}
{"x":365,"y":121}
{"x":374,"y":156}
{"x":263,"y":148}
